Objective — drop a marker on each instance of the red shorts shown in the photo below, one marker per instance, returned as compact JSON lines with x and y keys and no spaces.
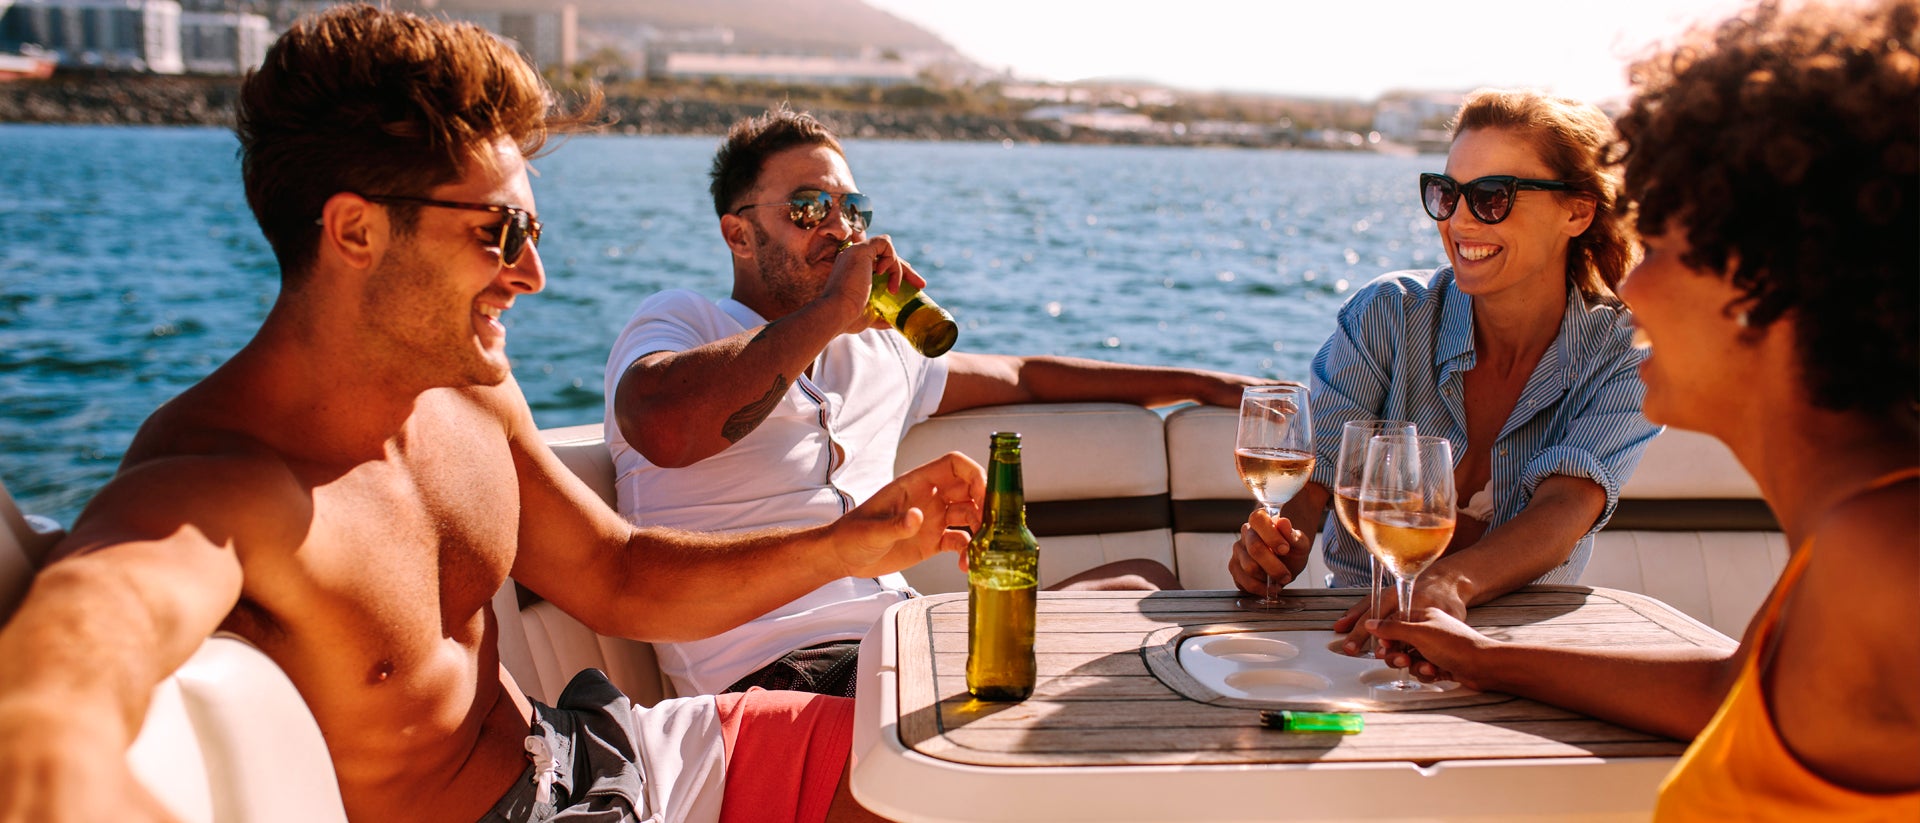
{"x":785,"y":754}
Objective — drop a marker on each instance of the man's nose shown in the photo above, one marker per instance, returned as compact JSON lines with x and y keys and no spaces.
{"x":841,"y":224}
{"x":528,"y":275}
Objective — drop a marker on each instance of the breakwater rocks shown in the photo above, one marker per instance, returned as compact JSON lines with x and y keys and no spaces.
{"x":120,"y":100}
{"x":113,"y":99}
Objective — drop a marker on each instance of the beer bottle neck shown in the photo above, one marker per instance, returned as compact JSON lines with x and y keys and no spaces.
{"x":1006,"y":499}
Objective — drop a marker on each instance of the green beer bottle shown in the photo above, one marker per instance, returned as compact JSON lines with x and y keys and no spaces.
{"x":1003,"y":564}
{"x":923,"y":322}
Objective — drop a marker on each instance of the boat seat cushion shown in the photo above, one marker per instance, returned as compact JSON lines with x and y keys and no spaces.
{"x":1095,"y":477}
{"x":228,"y":739}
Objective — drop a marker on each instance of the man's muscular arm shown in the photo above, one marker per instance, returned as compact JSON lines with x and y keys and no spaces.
{"x":659,"y":585}
{"x":151,"y":569}
{"x":678,"y":408}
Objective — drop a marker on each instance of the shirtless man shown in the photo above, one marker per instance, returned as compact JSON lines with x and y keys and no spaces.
{"x":349,"y":490}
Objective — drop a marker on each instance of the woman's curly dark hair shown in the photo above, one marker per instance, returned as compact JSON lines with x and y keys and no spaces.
{"x":1786,"y":143}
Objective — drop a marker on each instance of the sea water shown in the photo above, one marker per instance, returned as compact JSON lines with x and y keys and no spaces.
{"x":130,"y":266}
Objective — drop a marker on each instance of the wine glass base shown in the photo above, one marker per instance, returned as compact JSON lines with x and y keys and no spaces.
{"x":1407,"y":687}
{"x":1278,"y":604}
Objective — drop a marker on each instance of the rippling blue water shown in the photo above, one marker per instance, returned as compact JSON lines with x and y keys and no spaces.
{"x":131,"y":266}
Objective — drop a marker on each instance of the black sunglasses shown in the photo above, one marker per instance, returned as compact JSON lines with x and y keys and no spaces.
{"x":518,"y":231}
{"x":1489,"y":199}
{"x":808,"y":208}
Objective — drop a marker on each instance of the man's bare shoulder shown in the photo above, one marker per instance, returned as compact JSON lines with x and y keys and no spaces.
{"x":191,"y":468}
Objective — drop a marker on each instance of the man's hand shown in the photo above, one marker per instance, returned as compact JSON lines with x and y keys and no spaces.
{"x":851,"y":282}
{"x":908,"y":520}
{"x":54,"y":769}
{"x":1269,"y":547}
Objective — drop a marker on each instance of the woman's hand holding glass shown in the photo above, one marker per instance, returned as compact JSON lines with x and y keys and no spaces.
{"x":1273,"y":452}
{"x":1269,"y":553}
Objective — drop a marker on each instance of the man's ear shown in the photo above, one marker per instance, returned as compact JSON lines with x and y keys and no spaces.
{"x":739,"y":235}
{"x":352,"y":230}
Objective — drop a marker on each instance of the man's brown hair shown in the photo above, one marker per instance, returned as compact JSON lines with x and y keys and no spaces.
{"x":736,"y":167}
{"x":359,"y":99}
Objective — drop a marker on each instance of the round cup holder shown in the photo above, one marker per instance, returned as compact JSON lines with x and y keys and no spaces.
{"x":1278,"y":683}
{"x":1250,"y":650}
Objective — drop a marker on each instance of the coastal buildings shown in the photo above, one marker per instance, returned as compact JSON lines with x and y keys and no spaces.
{"x":214,"y":37}
{"x":870,"y":69}
{"x":133,"y":35}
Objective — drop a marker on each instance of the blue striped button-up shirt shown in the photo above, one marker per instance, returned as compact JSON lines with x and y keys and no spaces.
{"x":1402,"y":348}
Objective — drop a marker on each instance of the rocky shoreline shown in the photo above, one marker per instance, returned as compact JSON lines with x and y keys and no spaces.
{"x":209,"y":101}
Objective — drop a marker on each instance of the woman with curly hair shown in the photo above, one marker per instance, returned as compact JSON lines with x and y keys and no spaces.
{"x":1774,"y":161}
{"x":1513,"y":350}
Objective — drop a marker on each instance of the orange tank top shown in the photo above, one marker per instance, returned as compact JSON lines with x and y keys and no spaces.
{"x":1740,"y":769}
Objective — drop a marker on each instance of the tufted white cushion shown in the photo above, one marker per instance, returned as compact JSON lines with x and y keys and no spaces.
{"x":1068,"y":452}
{"x":228,"y":739}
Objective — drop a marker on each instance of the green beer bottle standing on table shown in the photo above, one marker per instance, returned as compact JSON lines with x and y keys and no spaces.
{"x":1003,"y":565}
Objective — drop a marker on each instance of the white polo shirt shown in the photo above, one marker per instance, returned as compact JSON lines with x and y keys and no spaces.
{"x":827,"y":447}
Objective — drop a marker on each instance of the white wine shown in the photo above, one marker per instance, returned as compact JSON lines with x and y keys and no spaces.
{"x":1273,"y":475}
{"x":1407,"y":542}
{"x":1346,"y":506}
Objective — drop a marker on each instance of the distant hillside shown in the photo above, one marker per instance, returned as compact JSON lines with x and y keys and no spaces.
{"x":757,"y":24}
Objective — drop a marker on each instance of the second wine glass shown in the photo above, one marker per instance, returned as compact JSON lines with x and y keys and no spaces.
{"x":1349,"y":469}
{"x":1274,"y":454}
{"x":1406,"y":516}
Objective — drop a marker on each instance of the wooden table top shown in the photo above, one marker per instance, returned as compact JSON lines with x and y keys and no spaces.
{"x":1109,"y":692}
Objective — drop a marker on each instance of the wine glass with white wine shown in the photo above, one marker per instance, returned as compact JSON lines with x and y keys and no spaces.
{"x":1407,"y":516}
{"x":1347,"y":473}
{"x":1274,"y":453}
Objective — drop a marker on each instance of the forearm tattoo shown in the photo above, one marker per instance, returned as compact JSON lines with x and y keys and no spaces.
{"x":748,"y":418}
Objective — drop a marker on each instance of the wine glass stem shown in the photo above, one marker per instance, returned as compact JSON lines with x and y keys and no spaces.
{"x":1373,"y":597}
{"x":1404,"y":586}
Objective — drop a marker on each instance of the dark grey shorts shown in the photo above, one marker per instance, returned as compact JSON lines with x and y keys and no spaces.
{"x":827,"y":668}
{"x":603,"y":754}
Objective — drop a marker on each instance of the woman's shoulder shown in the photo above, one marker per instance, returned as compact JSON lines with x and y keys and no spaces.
{"x":1879,"y":524}
{"x":1400,"y":290}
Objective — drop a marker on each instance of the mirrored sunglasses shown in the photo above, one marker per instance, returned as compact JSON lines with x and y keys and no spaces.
{"x":808,"y":208}
{"x":517,"y":231}
{"x":1489,"y":199}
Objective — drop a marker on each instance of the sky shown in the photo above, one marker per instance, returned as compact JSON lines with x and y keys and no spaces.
{"x":1320,"y":48}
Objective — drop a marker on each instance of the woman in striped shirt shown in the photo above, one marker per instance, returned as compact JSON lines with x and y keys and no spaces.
{"x":1513,"y":351}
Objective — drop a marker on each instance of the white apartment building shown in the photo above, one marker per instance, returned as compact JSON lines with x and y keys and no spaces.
{"x":135,"y":35}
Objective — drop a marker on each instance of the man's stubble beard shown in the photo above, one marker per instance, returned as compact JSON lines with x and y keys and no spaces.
{"x":783,"y":274}
{"x":408,"y":308}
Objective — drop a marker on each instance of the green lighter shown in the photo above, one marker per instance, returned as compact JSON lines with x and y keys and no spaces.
{"x":1334,"y":722}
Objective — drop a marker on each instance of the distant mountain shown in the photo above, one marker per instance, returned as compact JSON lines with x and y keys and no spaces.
{"x":831,"y":25}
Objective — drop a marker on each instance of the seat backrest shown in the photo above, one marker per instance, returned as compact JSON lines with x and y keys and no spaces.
{"x":227,"y":739}
{"x":543,"y":647}
{"x":1692,"y":531}
{"x":583,"y":449}
{"x":1209,"y":501}
{"x":1095,"y":476}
